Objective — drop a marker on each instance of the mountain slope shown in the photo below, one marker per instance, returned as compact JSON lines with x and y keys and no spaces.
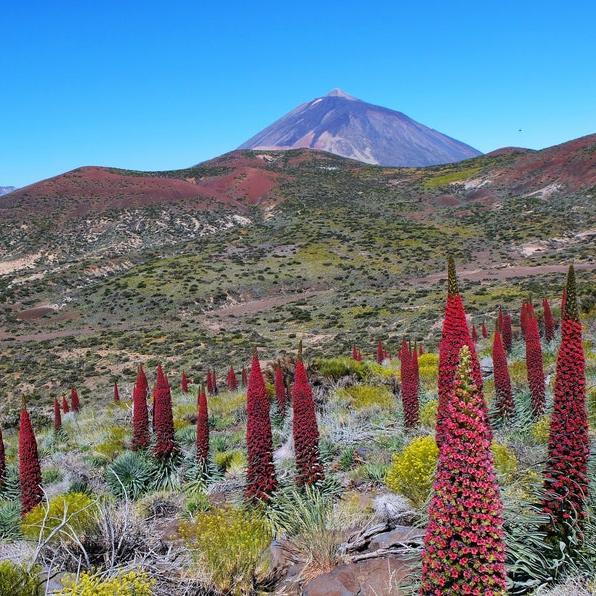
{"x":347,"y":126}
{"x":4,"y":190}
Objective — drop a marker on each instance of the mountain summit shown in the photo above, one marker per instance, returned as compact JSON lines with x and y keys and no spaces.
{"x":347,"y":126}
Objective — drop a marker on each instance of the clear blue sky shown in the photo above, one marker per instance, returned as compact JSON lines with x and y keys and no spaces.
{"x":152,"y":85}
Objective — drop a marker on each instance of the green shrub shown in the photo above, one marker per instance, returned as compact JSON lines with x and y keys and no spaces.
{"x":51,"y":475}
{"x":129,"y":475}
{"x":412,"y":471}
{"x":504,"y":458}
{"x":196,"y":503}
{"x":77,"y":512}
{"x":228,"y":542}
{"x":336,"y":368}
{"x":367,"y":396}
{"x":131,"y":583}
{"x":20,"y":580}
{"x":230,"y":461}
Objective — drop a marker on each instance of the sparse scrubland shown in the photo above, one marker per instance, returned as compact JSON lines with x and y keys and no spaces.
{"x":465,"y":468}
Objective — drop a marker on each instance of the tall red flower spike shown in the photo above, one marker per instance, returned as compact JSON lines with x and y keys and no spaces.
{"x":184,"y":382}
{"x":142,"y":382}
{"x":454,"y":335}
{"x":534,"y":364}
{"x":500,"y":319}
{"x":380,"y":352}
{"x":260,"y":475}
{"x":74,"y":400}
{"x":214,"y":382}
{"x":231,"y":380}
{"x":280,"y":390}
{"x":140,"y":418}
{"x":464,"y":544}
{"x":474,"y":334}
{"x":505,"y":404}
{"x":163,"y":418}
{"x":354,"y":352}
{"x":507,"y":332}
{"x":304,"y":427}
{"x":65,"y":406}
{"x":566,"y":472}
{"x":409,"y":387}
{"x":116,"y":392}
{"x":420,"y":350}
{"x":57,"y":416}
{"x":209,"y":382}
{"x":2,"y":462}
{"x":484,"y":330}
{"x":202,"y":429}
{"x":549,"y":322}
{"x":29,"y":470}
{"x":244,"y":377}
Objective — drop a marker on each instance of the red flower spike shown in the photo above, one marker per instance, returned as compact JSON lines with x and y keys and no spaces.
{"x":261,"y":481}
{"x":409,"y":385}
{"x":74,"y":400}
{"x":506,"y":332}
{"x":304,"y":427}
{"x":244,"y":377}
{"x":484,"y":330}
{"x":2,"y":461}
{"x":116,"y":392}
{"x":464,"y":543}
{"x":65,"y":406}
{"x":142,"y":382}
{"x":140,"y":415}
{"x":231,"y":380}
{"x":549,"y":322}
{"x":163,"y":418}
{"x":566,"y":472}
{"x":534,"y":365}
{"x":454,"y":336}
{"x":29,"y":469}
{"x":57,"y":416}
{"x":380,"y":352}
{"x":202,"y":429}
{"x":184,"y":382}
{"x":505,"y":404}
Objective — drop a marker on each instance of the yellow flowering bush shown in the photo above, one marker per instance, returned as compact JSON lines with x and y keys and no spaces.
{"x":540,"y":430}
{"x":77,"y":511}
{"x":132,"y":583}
{"x":231,"y":461}
{"x":412,"y":470}
{"x":428,"y":368}
{"x":20,"y":580}
{"x":228,"y":543}
{"x":366,"y":396}
{"x":428,"y":413}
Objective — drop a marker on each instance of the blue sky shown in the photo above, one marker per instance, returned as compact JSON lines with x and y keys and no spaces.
{"x":154,"y":85}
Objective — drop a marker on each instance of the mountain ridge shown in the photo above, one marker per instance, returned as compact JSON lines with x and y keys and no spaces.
{"x":350,"y":127}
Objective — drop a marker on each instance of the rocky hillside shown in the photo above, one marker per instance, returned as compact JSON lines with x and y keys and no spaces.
{"x":100,"y":266}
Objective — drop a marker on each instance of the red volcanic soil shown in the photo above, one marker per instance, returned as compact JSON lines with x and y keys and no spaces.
{"x":572,"y":165}
{"x":243,"y":181}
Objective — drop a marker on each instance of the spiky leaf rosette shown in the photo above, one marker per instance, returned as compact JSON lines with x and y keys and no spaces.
{"x":464,"y":548}
{"x":534,"y":364}
{"x":65,"y":406}
{"x":260,"y":475}
{"x":164,"y":422}
{"x":454,"y":335}
{"x":116,"y":392}
{"x":409,"y":387}
{"x":305,"y":429}
{"x":566,"y":472}
{"x":202,"y":430}
{"x":57,"y":416}
{"x":129,"y":477}
{"x":29,"y":469}
{"x":505,"y":404}
{"x":231,"y":380}
{"x":2,"y":462}
{"x":549,"y":322}
{"x":141,"y":435}
{"x":280,"y":390}
{"x":74,"y":400}
{"x":184,"y":382}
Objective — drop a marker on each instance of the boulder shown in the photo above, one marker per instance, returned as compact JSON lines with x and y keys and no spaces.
{"x":370,"y":577}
